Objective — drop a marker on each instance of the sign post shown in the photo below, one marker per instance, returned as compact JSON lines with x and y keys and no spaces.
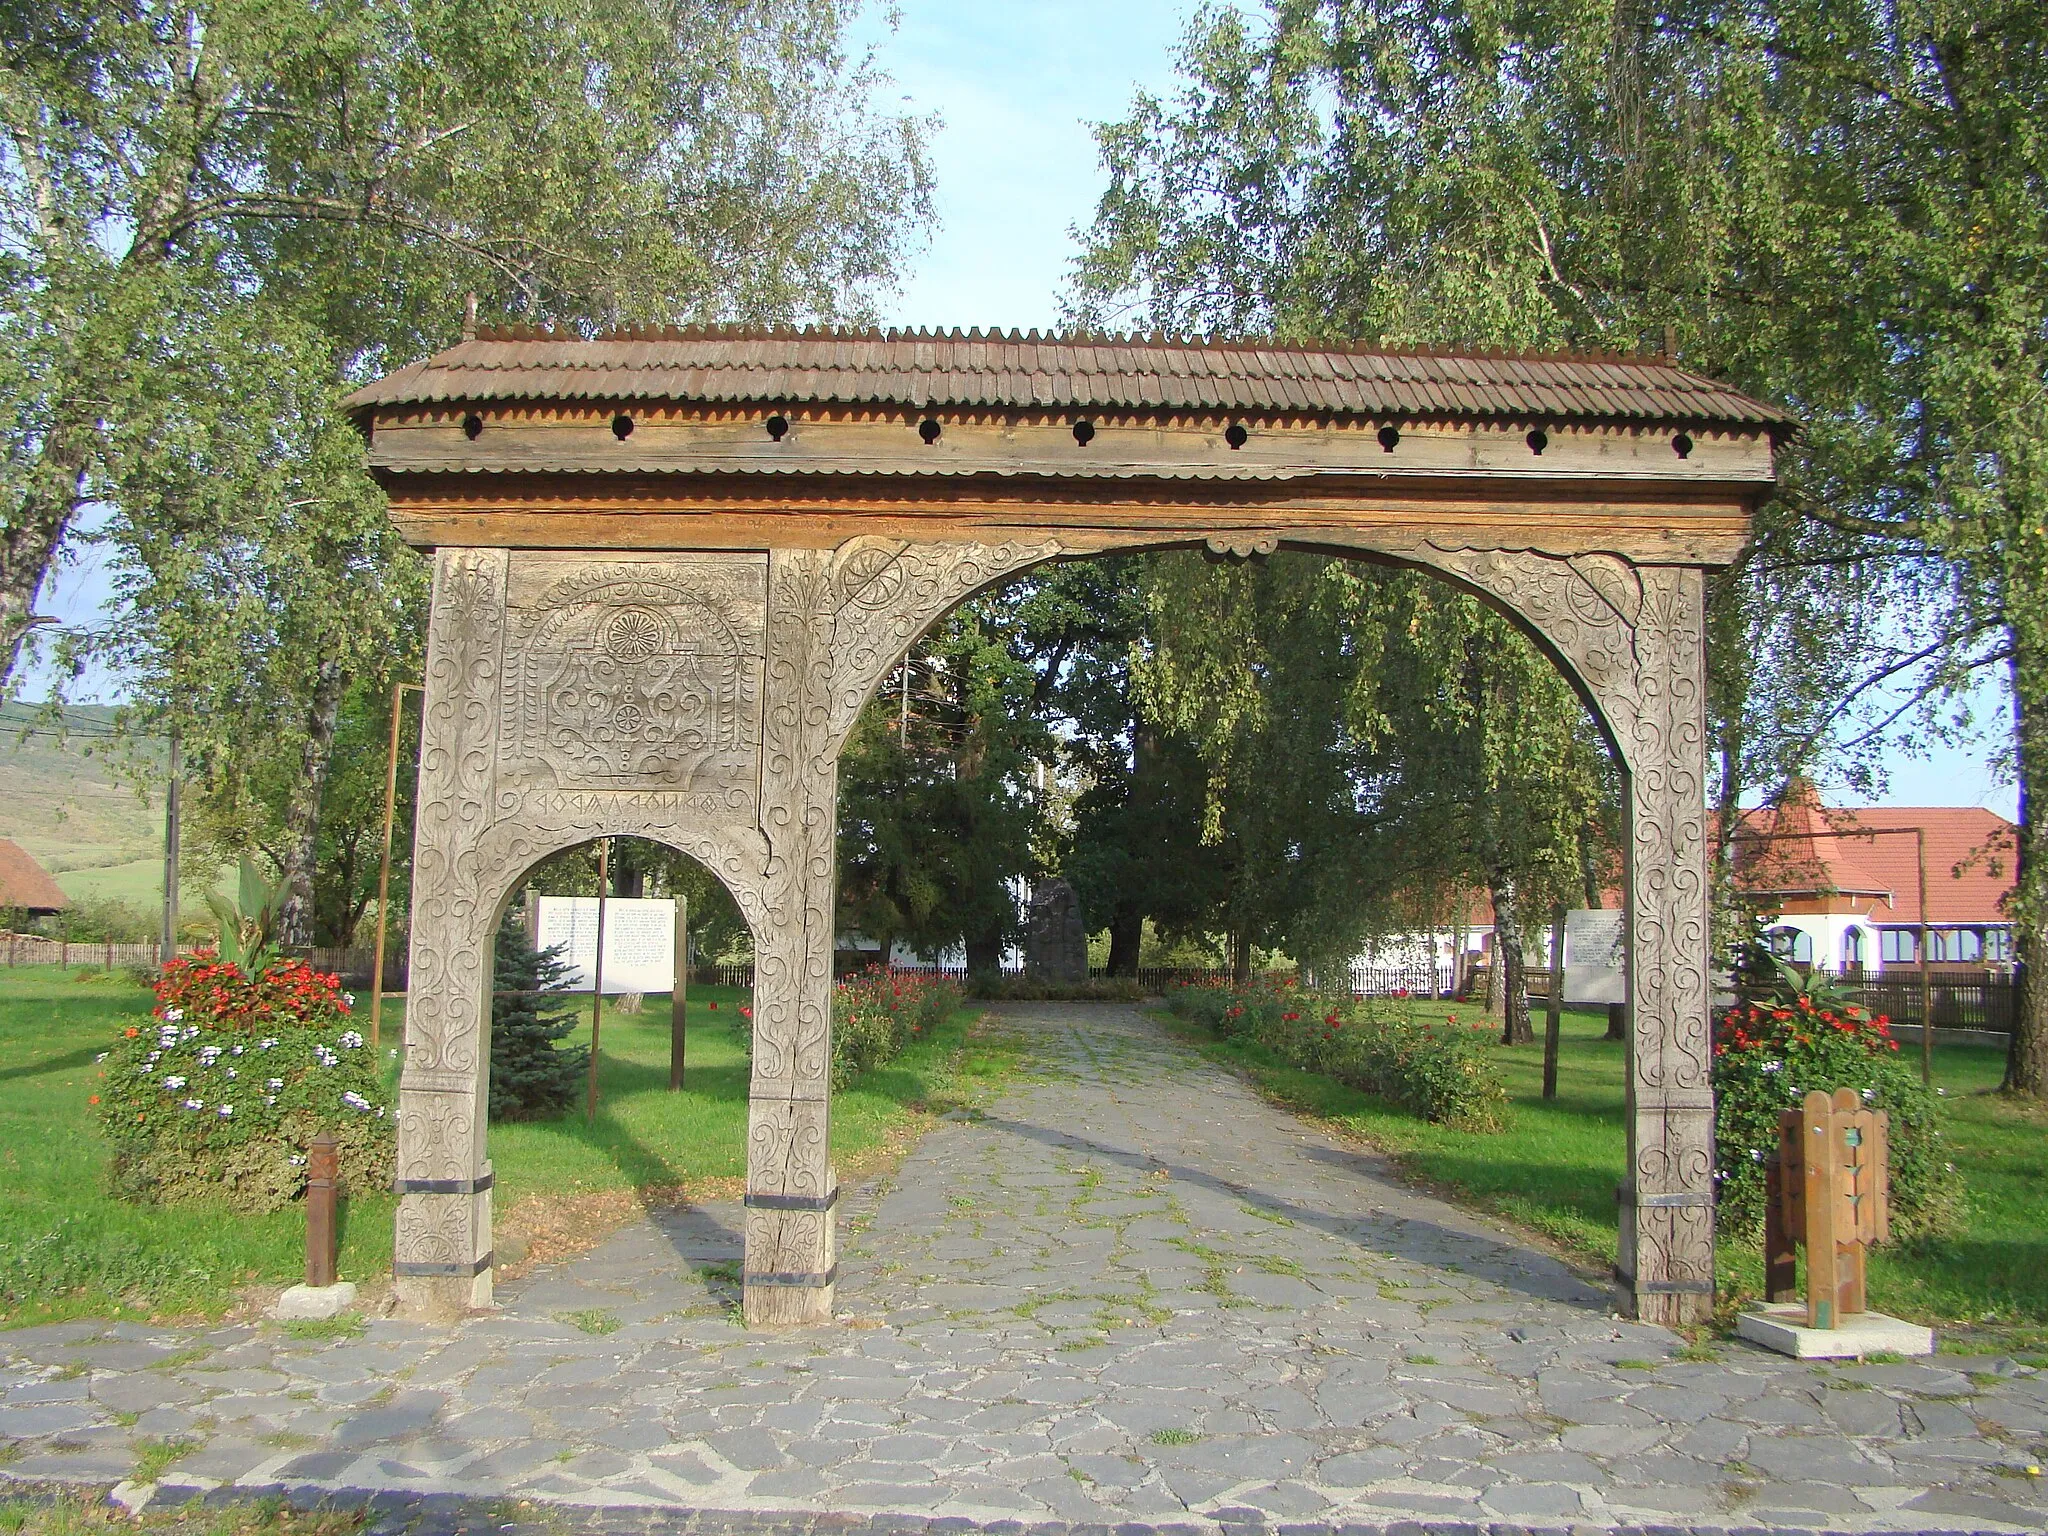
{"x":679,"y":997}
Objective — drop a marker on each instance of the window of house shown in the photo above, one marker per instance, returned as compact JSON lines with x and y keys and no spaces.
{"x":1965,"y":945}
{"x":1998,"y":945}
{"x":1898,"y":946}
{"x":1793,"y":944}
{"x":1852,"y":947}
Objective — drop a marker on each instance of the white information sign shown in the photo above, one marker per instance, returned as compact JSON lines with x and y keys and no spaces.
{"x":1595,"y":957}
{"x":639,"y":940}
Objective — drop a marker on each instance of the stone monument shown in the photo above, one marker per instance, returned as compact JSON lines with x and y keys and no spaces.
{"x":1056,"y":944}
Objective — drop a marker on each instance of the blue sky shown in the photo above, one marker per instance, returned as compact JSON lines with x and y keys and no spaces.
{"x":1016,"y":85}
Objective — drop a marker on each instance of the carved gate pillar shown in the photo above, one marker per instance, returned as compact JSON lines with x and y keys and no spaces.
{"x":443,"y":1258}
{"x":1631,"y":638}
{"x":792,"y":1258}
{"x":1665,"y":1267}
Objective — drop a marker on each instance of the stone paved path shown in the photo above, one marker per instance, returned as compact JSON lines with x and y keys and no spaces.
{"x":1131,"y":1292}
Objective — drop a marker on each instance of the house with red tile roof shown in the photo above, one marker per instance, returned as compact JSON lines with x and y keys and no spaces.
{"x":1843,"y":882}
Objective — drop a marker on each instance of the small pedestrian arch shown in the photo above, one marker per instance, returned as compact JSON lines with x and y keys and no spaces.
{"x":666,"y":631}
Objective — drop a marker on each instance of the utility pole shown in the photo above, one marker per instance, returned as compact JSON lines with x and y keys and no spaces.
{"x":168,"y":949}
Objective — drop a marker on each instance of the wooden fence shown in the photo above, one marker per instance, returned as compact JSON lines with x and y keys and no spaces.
{"x":1972,"y":1000}
{"x":32,"y":949}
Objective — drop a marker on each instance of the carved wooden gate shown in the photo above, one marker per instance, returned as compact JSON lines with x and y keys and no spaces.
{"x":670,"y":568}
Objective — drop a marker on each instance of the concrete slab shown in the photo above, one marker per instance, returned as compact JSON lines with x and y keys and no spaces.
{"x":1781,"y":1326}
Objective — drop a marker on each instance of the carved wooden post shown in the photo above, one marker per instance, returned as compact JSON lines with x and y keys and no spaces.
{"x":443,"y":1260}
{"x":1666,"y":1260}
{"x":791,"y":1252}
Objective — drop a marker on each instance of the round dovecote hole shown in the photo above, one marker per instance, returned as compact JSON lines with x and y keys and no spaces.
{"x":929,"y":431}
{"x":1084,"y":432}
{"x":472,"y":426}
{"x":778,"y":428}
{"x":1538,"y":441}
{"x":1390,"y":438}
{"x":1682,"y":445}
{"x":1236,"y":435}
{"x":622,"y":426}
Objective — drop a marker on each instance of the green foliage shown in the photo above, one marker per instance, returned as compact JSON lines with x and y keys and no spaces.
{"x":879,"y":1013}
{"x":1769,"y":1054}
{"x":198,"y":1113}
{"x":98,"y":919}
{"x":248,"y":924}
{"x":1439,"y":1070}
{"x":226,"y":218}
{"x":1833,"y":203}
{"x":937,"y":813}
{"x":533,"y":1076}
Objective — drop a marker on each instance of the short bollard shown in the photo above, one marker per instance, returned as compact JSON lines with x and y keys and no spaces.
{"x":1827,"y":1191}
{"x":323,"y":1172}
{"x":322,"y":1297}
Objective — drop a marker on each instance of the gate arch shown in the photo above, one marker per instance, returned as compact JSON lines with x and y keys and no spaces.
{"x":670,"y":634}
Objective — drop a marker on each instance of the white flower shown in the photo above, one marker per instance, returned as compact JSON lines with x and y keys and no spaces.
{"x":264,"y":1045}
{"x":189,"y":1031}
{"x":380,"y":1111}
{"x":147,"y":1066}
{"x":297,"y":1161}
{"x":1773,"y":1066}
{"x":236,"y":1051}
{"x":172,"y":1083}
{"x":325,"y":1057}
{"x":173,"y":1015}
{"x":1756,"y":1154}
{"x":350,"y":1040}
{"x":349,"y":998}
{"x":233,"y":1074}
{"x":270,"y":1098}
{"x":195,"y":1103}
{"x":208,"y":1055}
{"x":225,"y":1111}
{"x":274,"y":1084}
{"x":1869,"y":1094}
{"x":101,"y":1057}
{"x":355,"y":1101}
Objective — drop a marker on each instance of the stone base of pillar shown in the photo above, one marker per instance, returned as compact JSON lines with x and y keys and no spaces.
{"x":1683,"y":1309}
{"x":789,"y":1306}
{"x":443,"y":1298}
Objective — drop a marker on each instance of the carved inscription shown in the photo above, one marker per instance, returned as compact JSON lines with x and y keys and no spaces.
{"x":636,"y":674}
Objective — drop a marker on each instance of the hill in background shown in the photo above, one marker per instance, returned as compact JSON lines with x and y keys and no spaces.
{"x":64,"y":796}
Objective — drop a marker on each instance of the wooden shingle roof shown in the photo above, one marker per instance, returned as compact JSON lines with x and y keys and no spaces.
{"x":24,"y":884}
{"x":975,"y":369}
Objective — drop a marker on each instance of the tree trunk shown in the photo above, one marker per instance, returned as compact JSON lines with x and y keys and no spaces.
{"x":1508,"y":940}
{"x":302,"y":815}
{"x":35,"y":529}
{"x":2026,"y":1066}
{"x":985,"y":954}
{"x":1241,"y":956}
{"x":1126,"y":937}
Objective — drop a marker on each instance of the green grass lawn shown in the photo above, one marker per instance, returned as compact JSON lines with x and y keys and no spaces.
{"x":68,"y":1249}
{"x":1554,"y":1166}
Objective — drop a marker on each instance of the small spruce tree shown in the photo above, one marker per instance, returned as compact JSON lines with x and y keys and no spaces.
{"x":532,"y":1078}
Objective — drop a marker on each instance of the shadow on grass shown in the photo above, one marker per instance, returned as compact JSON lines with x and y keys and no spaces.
{"x":80,"y":1058}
